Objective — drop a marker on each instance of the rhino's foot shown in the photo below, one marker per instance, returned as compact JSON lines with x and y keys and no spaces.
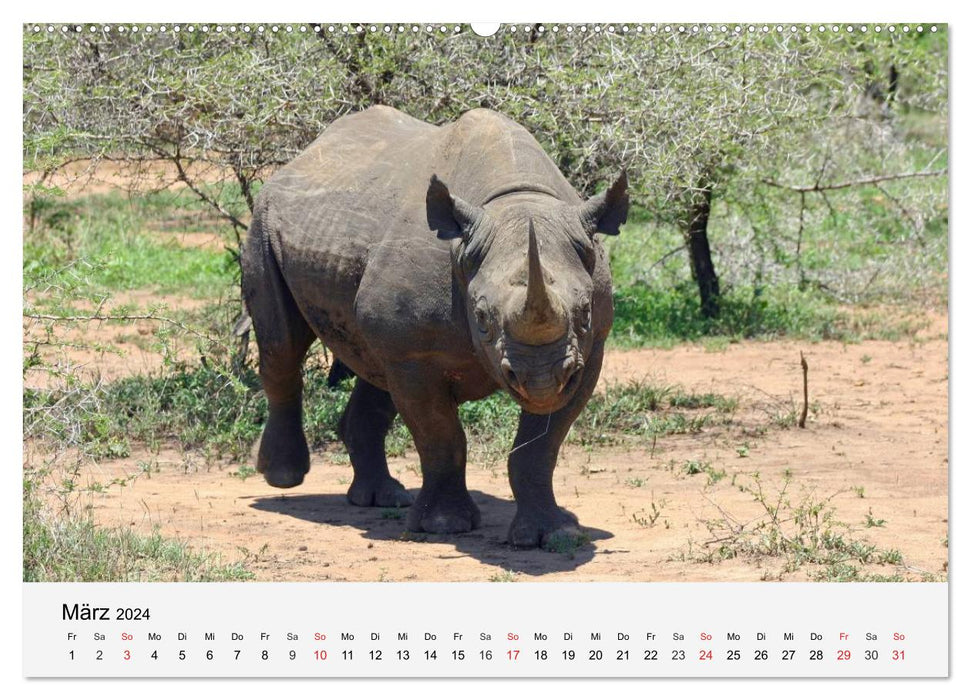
{"x":283,"y":458}
{"x":286,"y":470}
{"x":444,"y":515}
{"x":556,"y":531}
{"x":385,"y":493}
{"x":283,"y":477}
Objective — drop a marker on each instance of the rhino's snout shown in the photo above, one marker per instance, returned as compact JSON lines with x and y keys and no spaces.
{"x":542,"y":386}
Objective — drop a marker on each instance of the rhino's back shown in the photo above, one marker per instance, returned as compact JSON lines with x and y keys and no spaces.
{"x":365,"y":177}
{"x":351,"y":178}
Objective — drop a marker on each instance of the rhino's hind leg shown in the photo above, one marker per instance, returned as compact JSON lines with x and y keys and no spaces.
{"x":284,"y":458}
{"x":431,"y":414}
{"x":283,"y":337}
{"x":363,"y":427}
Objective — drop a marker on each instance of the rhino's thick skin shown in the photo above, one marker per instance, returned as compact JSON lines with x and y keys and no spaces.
{"x":511,"y":290}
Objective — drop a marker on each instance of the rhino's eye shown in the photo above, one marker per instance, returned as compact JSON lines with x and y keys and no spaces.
{"x":584,"y":317}
{"x":482,"y":319}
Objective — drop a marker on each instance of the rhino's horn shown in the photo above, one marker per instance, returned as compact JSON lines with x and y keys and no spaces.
{"x":539,"y":308}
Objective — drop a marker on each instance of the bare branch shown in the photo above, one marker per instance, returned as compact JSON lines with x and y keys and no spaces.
{"x":98,"y":317}
{"x":854,"y":183}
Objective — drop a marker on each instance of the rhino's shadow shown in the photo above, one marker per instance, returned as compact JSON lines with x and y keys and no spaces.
{"x":486,"y":544}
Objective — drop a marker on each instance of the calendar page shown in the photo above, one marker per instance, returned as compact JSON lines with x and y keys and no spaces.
{"x":513,"y":350}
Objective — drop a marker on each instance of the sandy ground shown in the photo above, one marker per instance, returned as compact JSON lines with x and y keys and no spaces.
{"x":87,"y":177}
{"x":98,"y":351}
{"x":876,"y":446}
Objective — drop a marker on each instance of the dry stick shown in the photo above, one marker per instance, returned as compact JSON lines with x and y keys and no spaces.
{"x":802,"y":220}
{"x":98,"y":317}
{"x":854,"y":183}
{"x":805,"y":389}
{"x":666,"y":256}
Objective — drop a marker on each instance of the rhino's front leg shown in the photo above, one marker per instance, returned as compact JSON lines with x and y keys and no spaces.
{"x":538,"y":518}
{"x":431,"y":414}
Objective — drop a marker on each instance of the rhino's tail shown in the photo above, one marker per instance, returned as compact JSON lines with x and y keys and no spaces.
{"x":338,"y":373}
{"x":243,"y":324}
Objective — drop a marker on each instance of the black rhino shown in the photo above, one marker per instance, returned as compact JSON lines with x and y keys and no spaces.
{"x":512,"y":292}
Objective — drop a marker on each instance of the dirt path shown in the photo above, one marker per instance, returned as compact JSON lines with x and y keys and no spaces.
{"x":875,"y":450}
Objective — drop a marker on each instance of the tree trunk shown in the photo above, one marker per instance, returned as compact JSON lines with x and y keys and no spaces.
{"x":702,"y":267}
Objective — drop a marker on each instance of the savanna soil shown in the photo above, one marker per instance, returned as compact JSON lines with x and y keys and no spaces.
{"x":875,"y":449}
{"x":103,"y":351}
{"x":102,"y":176}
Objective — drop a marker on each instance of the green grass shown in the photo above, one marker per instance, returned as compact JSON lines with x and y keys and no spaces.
{"x":205,"y":407}
{"x":566,"y":544}
{"x":871,"y":521}
{"x":797,"y":531}
{"x":111,"y":242}
{"x":70,"y":547}
{"x":243,"y":473}
{"x":503,"y":576}
{"x":692,"y":467}
{"x":708,"y":400}
{"x":194,"y":407}
{"x":848,"y":573}
{"x":645,"y":315}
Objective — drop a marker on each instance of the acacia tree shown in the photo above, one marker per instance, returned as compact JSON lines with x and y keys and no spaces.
{"x":720,"y":115}
{"x":699,"y":119}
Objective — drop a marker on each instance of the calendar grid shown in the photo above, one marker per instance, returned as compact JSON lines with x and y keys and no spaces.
{"x":495,"y":630}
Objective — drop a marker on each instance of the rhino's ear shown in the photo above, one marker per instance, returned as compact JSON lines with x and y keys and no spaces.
{"x":606,"y":212}
{"x":450,"y":216}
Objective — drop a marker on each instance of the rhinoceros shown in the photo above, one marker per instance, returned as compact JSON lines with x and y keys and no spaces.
{"x":432,"y":294}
